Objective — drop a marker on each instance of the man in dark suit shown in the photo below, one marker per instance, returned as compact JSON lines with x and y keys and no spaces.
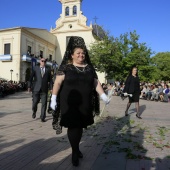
{"x":40,"y":82}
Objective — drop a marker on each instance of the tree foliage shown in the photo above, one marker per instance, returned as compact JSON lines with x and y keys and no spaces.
{"x":104,"y":56}
{"x":161,"y":64}
{"x":115,"y":56}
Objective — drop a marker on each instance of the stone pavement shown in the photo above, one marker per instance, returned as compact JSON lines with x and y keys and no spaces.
{"x":114,"y":142}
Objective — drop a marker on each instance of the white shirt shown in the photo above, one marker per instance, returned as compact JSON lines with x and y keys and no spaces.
{"x":42,"y":68}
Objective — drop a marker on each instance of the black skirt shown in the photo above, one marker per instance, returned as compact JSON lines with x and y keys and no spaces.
{"x":134,"y":98}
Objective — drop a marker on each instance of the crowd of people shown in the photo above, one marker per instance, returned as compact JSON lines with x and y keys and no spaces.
{"x":10,"y":87}
{"x":158,"y":91}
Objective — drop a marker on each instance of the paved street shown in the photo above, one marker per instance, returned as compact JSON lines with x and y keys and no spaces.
{"x":114,"y":142}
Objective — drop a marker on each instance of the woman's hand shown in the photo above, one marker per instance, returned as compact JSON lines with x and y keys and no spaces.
{"x":125,"y":94}
{"x":53,"y":103}
{"x":105,"y":98}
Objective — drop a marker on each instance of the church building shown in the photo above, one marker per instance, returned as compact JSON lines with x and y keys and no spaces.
{"x":23,"y":46}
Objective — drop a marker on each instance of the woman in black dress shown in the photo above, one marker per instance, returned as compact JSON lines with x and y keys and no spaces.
{"x":132,"y":86}
{"x":75,"y":91}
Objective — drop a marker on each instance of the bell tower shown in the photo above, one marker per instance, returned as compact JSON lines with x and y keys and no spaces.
{"x":71,"y":22}
{"x":71,"y":13}
{"x":71,"y":8}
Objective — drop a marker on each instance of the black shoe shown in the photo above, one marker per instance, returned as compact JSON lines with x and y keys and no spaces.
{"x":123,"y":98}
{"x":34,"y":115}
{"x":75,"y":159}
{"x":126,"y":113}
{"x":138,"y":116}
{"x":43,"y":120}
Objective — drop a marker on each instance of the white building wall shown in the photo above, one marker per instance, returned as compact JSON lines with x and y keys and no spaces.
{"x":12,"y":37}
{"x":20,"y":38}
{"x":39,"y":40}
{"x":37,"y":43}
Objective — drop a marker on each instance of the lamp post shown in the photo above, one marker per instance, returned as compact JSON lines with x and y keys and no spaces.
{"x":11,"y":73}
{"x":17,"y":76}
{"x":23,"y":77}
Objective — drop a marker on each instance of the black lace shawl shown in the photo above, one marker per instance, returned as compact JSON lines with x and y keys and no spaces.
{"x":75,"y":42}
{"x":95,"y":96}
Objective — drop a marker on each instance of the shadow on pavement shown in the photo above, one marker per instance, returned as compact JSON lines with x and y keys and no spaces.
{"x":142,"y":108}
{"x":133,"y":145}
{"x":53,"y":152}
{"x":112,"y":143}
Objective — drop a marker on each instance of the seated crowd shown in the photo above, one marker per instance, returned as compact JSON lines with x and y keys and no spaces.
{"x":10,"y":87}
{"x":155,"y":91}
{"x":149,"y":91}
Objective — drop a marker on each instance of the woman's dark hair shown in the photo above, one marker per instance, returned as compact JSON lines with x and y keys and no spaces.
{"x":72,"y":50}
{"x":166,"y":86}
{"x":75,"y":42}
{"x":130,"y":72}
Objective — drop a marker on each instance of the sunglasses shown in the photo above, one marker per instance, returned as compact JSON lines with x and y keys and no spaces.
{"x":43,"y":61}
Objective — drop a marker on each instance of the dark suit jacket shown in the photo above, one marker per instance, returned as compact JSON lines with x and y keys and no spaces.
{"x":132,"y":85}
{"x":37,"y":82}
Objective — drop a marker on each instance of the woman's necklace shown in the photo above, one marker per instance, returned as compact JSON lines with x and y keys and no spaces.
{"x":80,"y":69}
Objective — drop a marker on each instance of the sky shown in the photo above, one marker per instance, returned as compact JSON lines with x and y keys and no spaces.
{"x":150,"y":18}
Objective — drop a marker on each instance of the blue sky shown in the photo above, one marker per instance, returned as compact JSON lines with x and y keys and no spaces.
{"x":150,"y":18}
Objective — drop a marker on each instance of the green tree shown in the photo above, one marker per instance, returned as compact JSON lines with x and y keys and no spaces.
{"x":135,"y":53}
{"x":105,"y":56}
{"x":161,"y":64}
{"x":115,"y":56}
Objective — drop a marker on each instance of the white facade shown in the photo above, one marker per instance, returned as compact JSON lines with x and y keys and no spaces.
{"x":18,"y":60}
{"x":71,"y":23}
{"x":11,"y":37}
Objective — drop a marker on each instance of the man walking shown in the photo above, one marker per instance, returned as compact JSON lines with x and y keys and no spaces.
{"x":40,"y":81}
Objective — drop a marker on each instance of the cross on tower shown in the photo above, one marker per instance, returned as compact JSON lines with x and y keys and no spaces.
{"x":95,"y":18}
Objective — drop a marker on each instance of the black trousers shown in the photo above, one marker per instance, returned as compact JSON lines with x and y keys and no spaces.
{"x":49,"y":108}
{"x":36,"y":99}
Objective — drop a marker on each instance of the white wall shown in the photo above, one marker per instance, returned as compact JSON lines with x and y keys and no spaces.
{"x":20,"y":38}
{"x":12,"y":37}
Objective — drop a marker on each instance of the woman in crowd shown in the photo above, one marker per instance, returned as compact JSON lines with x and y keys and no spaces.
{"x":143,"y":92}
{"x":154,"y":92}
{"x":132,"y":86}
{"x":74,"y":91}
{"x":164,"y":95}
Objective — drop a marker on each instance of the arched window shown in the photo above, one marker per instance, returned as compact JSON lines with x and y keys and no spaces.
{"x":67,"y":11}
{"x":74,"y":10}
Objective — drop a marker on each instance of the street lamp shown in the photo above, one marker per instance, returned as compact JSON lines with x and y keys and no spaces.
{"x":11,"y":73}
{"x":23,"y":77}
{"x":17,"y":76}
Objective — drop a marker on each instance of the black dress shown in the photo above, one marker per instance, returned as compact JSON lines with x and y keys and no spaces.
{"x":132,"y":86}
{"x":76,"y":101}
